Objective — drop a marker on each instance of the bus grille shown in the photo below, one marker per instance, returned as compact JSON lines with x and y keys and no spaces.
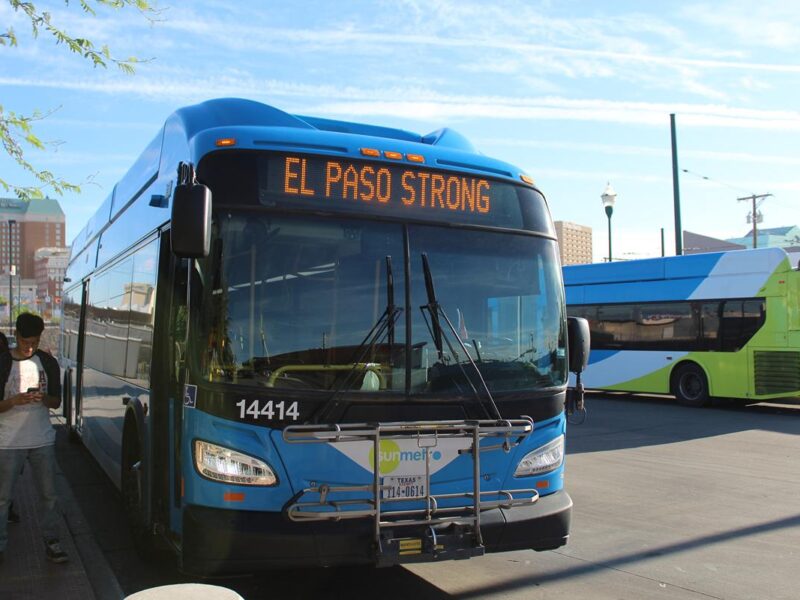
{"x":777,"y":372}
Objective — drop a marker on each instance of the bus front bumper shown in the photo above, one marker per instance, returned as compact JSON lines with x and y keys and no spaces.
{"x":220,"y":541}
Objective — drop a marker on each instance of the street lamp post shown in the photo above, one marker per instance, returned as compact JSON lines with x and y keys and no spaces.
{"x":10,"y":281}
{"x":609,"y":197}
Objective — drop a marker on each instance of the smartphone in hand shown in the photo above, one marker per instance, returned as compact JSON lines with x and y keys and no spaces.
{"x":37,"y":391}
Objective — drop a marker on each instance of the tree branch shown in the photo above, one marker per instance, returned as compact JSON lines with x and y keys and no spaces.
{"x":16,"y":131}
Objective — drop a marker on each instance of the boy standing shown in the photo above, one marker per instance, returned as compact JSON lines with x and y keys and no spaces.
{"x":30,"y":386}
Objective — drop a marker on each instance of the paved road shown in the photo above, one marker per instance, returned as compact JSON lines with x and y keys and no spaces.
{"x":670,"y":502}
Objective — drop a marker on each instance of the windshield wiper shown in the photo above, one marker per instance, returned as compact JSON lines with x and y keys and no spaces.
{"x":439,"y":336}
{"x":383,"y":328}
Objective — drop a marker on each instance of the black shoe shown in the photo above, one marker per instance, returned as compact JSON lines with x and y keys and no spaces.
{"x":54,"y":552}
{"x":13,"y":515}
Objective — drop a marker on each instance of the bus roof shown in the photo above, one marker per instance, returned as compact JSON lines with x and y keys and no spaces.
{"x":738,"y":273}
{"x":255,"y":125}
{"x":259,"y":125}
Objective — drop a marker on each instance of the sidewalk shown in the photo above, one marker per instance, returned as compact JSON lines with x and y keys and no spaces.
{"x":27,"y":575}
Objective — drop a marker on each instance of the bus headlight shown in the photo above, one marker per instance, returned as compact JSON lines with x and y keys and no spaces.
{"x":229,"y":466}
{"x":542,"y":460}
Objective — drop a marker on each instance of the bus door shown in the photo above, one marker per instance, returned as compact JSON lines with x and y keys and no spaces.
{"x":74,"y":326}
{"x":172,"y":330}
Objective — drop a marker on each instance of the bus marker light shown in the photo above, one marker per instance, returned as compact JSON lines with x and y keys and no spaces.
{"x":393,"y":155}
{"x":542,"y":485}
{"x":417,"y":158}
{"x":221,"y":142}
{"x":370,"y":152}
{"x":233,"y":497}
{"x":527,"y":179}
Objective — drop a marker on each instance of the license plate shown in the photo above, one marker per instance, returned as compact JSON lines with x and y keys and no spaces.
{"x":403,"y":488}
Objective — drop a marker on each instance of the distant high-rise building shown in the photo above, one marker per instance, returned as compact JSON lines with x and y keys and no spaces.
{"x":574,"y":243}
{"x":31,"y":225}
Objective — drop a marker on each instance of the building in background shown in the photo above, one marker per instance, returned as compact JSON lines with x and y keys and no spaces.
{"x":775,"y":237}
{"x":695,"y":243}
{"x":25,"y":228}
{"x":574,"y":243}
{"x":51,"y":266}
{"x":787,"y":238}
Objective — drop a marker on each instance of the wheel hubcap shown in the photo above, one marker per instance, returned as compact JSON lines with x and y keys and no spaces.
{"x":691,"y":386}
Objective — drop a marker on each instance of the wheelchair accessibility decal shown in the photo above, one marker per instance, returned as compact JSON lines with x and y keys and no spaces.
{"x":189,"y":395}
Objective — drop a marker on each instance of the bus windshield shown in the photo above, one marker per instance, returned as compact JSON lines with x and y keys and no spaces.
{"x":306,"y":303}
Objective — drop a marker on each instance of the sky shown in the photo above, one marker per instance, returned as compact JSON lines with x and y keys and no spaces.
{"x":578,"y":94}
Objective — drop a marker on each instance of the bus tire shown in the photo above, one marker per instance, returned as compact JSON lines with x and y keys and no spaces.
{"x":133,"y":492}
{"x":690,"y":386}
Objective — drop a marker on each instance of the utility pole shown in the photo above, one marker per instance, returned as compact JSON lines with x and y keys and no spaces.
{"x":753,"y":199}
{"x":676,"y":188}
{"x":10,"y":281}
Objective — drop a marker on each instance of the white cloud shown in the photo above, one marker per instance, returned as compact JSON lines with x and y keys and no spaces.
{"x":763,"y":24}
{"x":430,"y":105}
{"x":633,"y":150}
{"x":609,"y":111}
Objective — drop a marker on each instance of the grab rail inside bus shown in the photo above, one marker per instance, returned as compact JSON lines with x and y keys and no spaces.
{"x":374,"y":368}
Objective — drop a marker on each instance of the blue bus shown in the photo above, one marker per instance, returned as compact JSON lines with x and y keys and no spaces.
{"x":723,"y":324}
{"x":297,"y":341}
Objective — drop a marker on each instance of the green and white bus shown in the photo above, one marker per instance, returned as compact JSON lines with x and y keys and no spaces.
{"x":701,"y":326}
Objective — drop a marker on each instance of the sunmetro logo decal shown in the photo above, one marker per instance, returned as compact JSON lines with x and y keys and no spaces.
{"x":405,"y":456}
{"x":390,"y":456}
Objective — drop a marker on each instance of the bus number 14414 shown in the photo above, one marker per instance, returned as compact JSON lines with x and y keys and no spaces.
{"x":272,"y":411}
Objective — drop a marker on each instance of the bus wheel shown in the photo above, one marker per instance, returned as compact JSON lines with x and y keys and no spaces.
{"x":132,"y":494}
{"x":690,"y":386}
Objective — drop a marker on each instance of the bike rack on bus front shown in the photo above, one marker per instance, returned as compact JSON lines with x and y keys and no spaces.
{"x":429,"y":510}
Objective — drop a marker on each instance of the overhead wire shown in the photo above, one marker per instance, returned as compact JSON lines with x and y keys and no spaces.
{"x":722,"y":183}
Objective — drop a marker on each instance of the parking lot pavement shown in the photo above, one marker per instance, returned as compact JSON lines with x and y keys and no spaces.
{"x":26,"y":574}
{"x":670,"y":502}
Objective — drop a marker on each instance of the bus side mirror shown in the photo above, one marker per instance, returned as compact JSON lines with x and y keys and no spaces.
{"x":191,"y":221}
{"x":578,"y":340}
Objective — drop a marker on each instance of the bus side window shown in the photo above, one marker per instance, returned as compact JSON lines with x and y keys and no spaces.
{"x":754,"y":315}
{"x":730,"y":328}
{"x":709,"y":325}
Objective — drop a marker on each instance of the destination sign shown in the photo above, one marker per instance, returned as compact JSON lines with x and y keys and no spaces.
{"x":341,"y":180}
{"x":399,"y":190}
